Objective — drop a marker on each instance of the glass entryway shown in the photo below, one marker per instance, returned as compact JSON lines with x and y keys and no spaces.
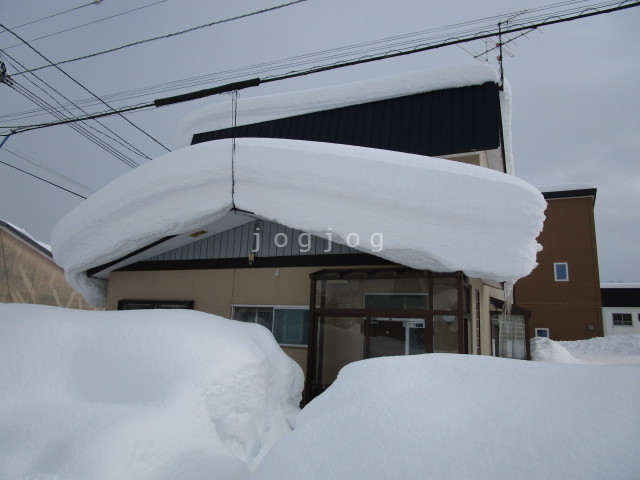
{"x":366,"y":313}
{"x":395,"y":336}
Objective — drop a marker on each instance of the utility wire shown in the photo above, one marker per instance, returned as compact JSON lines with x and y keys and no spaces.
{"x":86,"y":89}
{"x":50,"y":109}
{"x":91,"y":137}
{"x":48,"y":169}
{"x":46,"y":181}
{"x":95,"y":2}
{"x":160,"y":37}
{"x":555,"y":19}
{"x":86,"y":24}
{"x":399,"y":41}
{"x":81,"y":129}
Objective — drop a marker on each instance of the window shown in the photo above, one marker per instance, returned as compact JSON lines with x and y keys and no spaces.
{"x":622,"y":319}
{"x":150,"y":304}
{"x":542,"y":332}
{"x":289,"y":325}
{"x":561,"y":271}
{"x":395,"y":301}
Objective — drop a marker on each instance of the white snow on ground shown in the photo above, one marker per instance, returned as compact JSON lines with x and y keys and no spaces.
{"x":157,"y":394}
{"x":433,"y":214}
{"x":443,"y":416}
{"x":270,"y":107}
{"x":616,"y":349}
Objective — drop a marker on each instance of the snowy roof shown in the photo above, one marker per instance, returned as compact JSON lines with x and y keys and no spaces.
{"x":568,"y":187}
{"x":27,"y":238}
{"x":620,"y":285}
{"x":261,"y":109}
{"x":432,"y":214}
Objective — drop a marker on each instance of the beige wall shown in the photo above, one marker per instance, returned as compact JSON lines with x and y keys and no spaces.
{"x":28,"y":276}
{"x":216,"y":291}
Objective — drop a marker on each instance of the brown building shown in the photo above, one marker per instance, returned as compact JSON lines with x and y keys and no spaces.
{"x":28,"y":273}
{"x":563,"y":292}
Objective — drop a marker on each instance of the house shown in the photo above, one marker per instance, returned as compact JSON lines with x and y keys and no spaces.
{"x":324,"y":216}
{"x":28,"y":273}
{"x":563,"y":291}
{"x":620,"y":308}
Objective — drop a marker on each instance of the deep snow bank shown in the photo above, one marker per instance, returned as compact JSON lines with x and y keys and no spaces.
{"x":160,"y":394}
{"x":612,"y":349}
{"x":443,"y":416}
{"x":433,"y":214}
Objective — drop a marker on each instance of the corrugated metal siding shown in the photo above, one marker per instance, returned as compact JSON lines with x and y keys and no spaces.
{"x":239,"y":241}
{"x":441,"y":122}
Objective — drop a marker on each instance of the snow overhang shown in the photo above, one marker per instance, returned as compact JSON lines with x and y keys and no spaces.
{"x":433,"y":214}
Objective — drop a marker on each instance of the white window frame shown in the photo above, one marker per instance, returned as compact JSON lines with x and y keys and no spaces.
{"x":545,"y":329}
{"x":555,"y":271}
{"x":613,"y":321}
{"x":274,"y":307}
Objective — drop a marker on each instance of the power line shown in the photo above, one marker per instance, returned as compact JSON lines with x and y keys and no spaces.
{"x":78,"y":128}
{"x":399,"y":41}
{"x":367,"y":59}
{"x":46,"y":181}
{"x":48,"y":169}
{"x":88,"y":23}
{"x":25,"y":92}
{"x":95,"y":2}
{"x":50,"y":109}
{"x":86,"y":89}
{"x":160,"y":37}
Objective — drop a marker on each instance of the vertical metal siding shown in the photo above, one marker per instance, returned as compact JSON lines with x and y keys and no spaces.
{"x":238,"y":243}
{"x":431,"y":123}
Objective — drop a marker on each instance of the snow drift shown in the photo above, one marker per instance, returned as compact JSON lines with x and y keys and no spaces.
{"x":139,"y":394}
{"x":444,"y":416}
{"x":433,"y":214}
{"x":609,"y":350}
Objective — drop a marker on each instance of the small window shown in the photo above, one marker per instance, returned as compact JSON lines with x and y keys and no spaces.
{"x":151,"y":304}
{"x":289,"y":325}
{"x":561,"y":271}
{"x":622,"y":319}
{"x":542,"y":332}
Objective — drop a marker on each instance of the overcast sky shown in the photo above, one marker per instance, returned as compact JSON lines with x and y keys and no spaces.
{"x":575,"y":90}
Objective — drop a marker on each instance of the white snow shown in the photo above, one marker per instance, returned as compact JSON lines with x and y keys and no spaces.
{"x":615,"y":349}
{"x":156,"y":394}
{"x":433,"y":214}
{"x":566,"y":187}
{"x":443,"y":416}
{"x":28,"y":235}
{"x":620,"y":285}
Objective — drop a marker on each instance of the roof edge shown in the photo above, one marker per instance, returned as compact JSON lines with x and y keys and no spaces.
{"x":33,"y":243}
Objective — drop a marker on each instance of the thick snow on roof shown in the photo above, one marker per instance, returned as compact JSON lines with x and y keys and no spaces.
{"x":139,"y":395}
{"x":270,"y":107}
{"x":431,"y":214}
{"x":444,"y":416}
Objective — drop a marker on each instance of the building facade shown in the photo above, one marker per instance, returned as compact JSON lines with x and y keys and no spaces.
{"x":621,"y":308}
{"x":331,"y":302}
{"x":563,"y":291}
{"x":28,"y":273}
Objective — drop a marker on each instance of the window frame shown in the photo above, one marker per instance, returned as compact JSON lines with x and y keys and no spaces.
{"x":622,"y":324}
{"x":273,"y":323}
{"x":156,"y":304}
{"x":555,"y":271}
{"x":545,"y":329}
